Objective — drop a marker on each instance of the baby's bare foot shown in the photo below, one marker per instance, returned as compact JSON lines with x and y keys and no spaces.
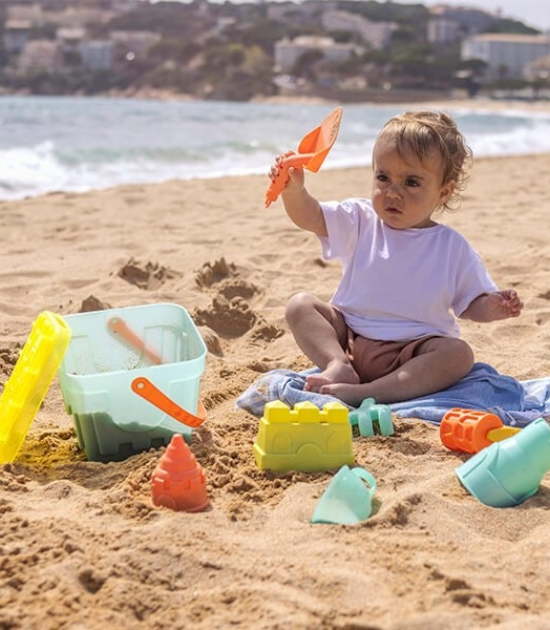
{"x":351,"y":394}
{"x":335,"y":372}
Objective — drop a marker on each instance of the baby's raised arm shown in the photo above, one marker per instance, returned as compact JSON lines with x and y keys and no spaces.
{"x":303,"y":209}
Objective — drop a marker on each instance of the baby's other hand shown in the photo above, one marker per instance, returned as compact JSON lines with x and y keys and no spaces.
{"x":506,"y":303}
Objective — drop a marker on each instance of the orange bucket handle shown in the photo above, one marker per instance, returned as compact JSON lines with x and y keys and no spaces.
{"x":143,"y":387}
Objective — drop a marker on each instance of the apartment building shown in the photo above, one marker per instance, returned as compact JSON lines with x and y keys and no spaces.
{"x":470,"y":21}
{"x":448,"y":25}
{"x":506,"y":55}
{"x":376,"y":34}
{"x":287,"y":51}
{"x":16,"y":34}
{"x":40,"y":56}
{"x":31,"y":14}
{"x":97,"y":54}
{"x":442,"y":31}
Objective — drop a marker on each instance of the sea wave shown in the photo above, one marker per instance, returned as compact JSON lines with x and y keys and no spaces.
{"x":78,"y":144}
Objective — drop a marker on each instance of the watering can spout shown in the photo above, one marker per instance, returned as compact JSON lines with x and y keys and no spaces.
{"x":509,"y":472}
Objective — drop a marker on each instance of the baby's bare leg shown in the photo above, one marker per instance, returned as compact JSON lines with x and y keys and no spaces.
{"x":440,"y":363}
{"x":320,"y":332}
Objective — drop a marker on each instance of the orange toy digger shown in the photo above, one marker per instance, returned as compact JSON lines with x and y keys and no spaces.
{"x":312,"y":151}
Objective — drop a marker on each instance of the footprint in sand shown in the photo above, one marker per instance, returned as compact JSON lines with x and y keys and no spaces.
{"x":542,"y":318}
{"x":227,"y":285}
{"x":264,"y":331}
{"x":148,"y":276}
{"x":231,"y":315}
{"x":229,"y":318}
{"x":237,"y":288}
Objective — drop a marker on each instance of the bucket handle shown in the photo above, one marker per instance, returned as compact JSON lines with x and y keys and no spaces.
{"x":143,"y":387}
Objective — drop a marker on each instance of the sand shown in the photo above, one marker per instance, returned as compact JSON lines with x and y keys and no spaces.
{"x":82,"y":546}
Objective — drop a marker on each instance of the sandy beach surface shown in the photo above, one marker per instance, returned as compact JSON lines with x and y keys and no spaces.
{"x":82,"y":546}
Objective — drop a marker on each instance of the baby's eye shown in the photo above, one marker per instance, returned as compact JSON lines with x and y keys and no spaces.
{"x":381,"y":177}
{"x":412,"y":182}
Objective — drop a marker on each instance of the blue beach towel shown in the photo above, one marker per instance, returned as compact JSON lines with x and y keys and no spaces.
{"x":517,"y":403}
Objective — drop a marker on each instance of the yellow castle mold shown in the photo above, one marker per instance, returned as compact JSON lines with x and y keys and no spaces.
{"x":304,"y":438}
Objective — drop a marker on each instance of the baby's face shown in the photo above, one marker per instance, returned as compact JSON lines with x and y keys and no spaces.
{"x":407,"y":191}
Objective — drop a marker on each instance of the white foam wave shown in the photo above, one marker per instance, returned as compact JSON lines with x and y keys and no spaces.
{"x":233,"y":139}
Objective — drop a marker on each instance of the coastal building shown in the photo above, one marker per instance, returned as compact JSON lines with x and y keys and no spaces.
{"x":97,"y":54}
{"x":287,"y":51}
{"x":40,"y":56}
{"x":448,"y":25}
{"x":125,"y":6}
{"x":16,"y":34}
{"x":470,"y":21}
{"x":70,"y":39}
{"x":31,"y":13}
{"x":442,"y":31}
{"x":505,"y":55}
{"x":75,"y":17}
{"x":376,"y":34}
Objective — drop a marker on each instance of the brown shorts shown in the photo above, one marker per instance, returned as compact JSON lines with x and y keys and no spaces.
{"x":373,"y":358}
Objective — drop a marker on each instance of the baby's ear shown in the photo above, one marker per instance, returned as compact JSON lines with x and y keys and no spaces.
{"x":446,"y":191}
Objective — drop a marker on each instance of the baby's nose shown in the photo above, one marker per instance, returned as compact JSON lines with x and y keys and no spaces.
{"x":394,"y":190}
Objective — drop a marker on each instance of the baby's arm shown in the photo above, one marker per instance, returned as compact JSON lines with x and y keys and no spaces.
{"x":489,"y":307}
{"x":303,"y":209}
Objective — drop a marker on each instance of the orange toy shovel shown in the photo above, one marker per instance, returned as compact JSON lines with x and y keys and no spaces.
{"x":312,"y":151}
{"x":119,"y":327}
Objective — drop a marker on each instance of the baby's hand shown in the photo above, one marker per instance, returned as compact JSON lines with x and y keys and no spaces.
{"x":294,"y":177}
{"x":505,"y":304}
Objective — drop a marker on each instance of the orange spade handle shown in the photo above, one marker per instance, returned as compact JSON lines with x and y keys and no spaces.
{"x":281,"y":179}
{"x":121,"y":329}
{"x":143,"y":387}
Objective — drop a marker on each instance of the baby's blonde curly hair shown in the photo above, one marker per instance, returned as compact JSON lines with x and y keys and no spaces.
{"x":421,"y":132}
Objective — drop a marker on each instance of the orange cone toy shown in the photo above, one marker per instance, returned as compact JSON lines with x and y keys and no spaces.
{"x":178,"y":481}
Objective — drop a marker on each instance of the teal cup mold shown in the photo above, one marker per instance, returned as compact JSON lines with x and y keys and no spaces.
{"x":347,"y":499}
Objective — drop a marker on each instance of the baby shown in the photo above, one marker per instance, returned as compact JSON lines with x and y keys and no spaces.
{"x":389,"y":331}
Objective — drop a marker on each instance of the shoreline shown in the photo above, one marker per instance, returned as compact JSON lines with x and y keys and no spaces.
{"x":221,"y":179}
{"x":162,"y":173}
{"x":453,"y":101}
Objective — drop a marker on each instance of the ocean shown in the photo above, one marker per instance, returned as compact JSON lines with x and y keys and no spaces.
{"x":80,"y":143}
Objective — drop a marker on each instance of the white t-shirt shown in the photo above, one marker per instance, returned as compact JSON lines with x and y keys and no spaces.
{"x":400,"y":284}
